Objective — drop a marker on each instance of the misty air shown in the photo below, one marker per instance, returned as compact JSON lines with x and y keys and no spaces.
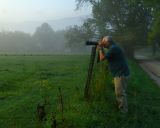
{"x":79,"y":64}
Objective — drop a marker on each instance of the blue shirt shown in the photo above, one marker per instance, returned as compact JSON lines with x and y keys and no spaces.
{"x":116,"y":61}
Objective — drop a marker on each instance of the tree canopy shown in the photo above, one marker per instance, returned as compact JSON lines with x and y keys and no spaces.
{"x":127,"y":21}
{"x":44,"y":40}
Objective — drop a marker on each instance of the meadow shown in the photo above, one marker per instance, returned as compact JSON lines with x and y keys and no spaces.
{"x":26,"y":81}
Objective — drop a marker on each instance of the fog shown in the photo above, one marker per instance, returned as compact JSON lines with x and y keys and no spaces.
{"x":38,"y":26}
{"x":26,"y":15}
{"x":61,"y":26}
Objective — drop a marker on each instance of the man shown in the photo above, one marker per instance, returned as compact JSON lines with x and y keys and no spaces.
{"x":118,"y":67}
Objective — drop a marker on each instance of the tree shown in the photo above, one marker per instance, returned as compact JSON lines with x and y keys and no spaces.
{"x":127,"y":21}
{"x":43,"y":40}
{"x":49,"y":41}
{"x":16,"y":42}
{"x":44,"y":37}
{"x":77,"y":35}
{"x":154,"y":37}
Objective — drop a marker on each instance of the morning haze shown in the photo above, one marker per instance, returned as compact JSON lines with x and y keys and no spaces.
{"x":21,"y":20}
{"x":95,"y":67}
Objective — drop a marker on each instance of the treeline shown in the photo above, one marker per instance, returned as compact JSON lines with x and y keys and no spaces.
{"x":44,"y":40}
{"x":133,"y":23}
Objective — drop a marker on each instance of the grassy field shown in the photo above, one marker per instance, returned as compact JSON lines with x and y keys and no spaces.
{"x":26,"y":81}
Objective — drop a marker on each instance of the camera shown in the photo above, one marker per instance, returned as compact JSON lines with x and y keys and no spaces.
{"x":91,"y":43}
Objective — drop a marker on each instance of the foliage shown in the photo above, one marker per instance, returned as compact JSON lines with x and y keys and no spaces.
{"x":152,"y":3}
{"x":15,"y":41}
{"x":154,"y":34}
{"x":127,"y":21}
{"x":155,"y":8}
{"x":44,"y":37}
{"x":77,"y":35}
{"x":44,"y":40}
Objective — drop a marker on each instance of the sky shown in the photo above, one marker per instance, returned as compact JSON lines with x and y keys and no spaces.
{"x":26,"y":15}
{"x":39,"y":10}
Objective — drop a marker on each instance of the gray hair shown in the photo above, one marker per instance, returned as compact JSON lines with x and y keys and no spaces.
{"x":108,"y":38}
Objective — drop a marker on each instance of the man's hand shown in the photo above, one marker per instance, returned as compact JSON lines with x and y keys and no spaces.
{"x":103,"y":43}
{"x":101,"y":50}
{"x":99,"y":47}
{"x":100,"y":43}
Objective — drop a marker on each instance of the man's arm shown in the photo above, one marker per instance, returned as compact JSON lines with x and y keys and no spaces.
{"x":101,"y":54}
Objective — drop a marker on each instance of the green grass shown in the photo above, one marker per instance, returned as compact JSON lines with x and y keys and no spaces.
{"x":26,"y":81}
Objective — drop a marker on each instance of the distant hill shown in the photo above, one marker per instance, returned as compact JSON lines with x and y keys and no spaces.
{"x":30,"y":26}
{"x":70,"y":21}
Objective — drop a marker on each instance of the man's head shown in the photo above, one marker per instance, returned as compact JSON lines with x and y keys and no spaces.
{"x":106,"y":41}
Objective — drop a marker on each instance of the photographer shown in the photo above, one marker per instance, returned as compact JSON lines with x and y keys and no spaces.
{"x":118,"y":67}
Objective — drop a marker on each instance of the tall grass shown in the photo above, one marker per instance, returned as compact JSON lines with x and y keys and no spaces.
{"x":27,"y":81}
{"x":101,"y":79}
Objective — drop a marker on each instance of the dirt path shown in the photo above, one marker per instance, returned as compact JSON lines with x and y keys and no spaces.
{"x":152,"y":67}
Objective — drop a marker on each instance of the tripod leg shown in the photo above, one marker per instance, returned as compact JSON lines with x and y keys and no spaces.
{"x":90,"y":70}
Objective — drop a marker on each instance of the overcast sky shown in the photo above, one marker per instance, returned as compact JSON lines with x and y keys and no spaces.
{"x":39,"y":10}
